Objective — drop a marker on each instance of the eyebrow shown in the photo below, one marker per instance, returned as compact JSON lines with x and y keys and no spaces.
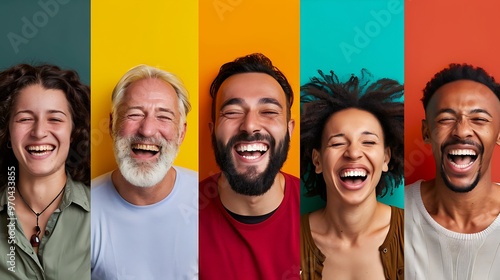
{"x":240,"y":101}
{"x":161,"y":109}
{"x":32,"y":113}
{"x":369,"y":133}
{"x":56,"y":111}
{"x":473,"y":111}
{"x":479,"y":111}
{"x":269,"y":100}
{"x":336,"y":135}
{"x":232,"y":101}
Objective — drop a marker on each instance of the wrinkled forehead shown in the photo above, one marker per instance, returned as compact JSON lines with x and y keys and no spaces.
{"x":151,"y":92}
{"x":353,"y":121}
{"x":250,"y":88}
{"x":38,"y":98}
{"x":463,"y":96}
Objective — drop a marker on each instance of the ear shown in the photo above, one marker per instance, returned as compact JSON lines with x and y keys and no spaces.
{"x":291,"y":126}
{"x":183,"y":132}
{"x":211,"y":127}
{"x":387,"y":159}
{"x":316,"y":159}
{"x":111,"y":124}
{"x":425,"y":132}
{"x":498,"y":139}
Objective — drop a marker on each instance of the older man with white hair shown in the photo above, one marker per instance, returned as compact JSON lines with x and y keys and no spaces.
{"x":140,"y":229}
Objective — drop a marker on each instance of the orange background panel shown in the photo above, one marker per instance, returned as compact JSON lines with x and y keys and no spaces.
{"x":438,"y":33}
{"x":232,"y":28}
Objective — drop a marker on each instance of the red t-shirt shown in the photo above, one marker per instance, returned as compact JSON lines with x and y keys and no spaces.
{"x":233,"y":250}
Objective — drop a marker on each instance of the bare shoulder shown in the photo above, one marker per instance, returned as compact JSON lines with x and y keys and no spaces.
{"x":317,"y":223}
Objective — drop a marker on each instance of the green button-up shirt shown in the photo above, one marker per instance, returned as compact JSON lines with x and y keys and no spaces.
{"x":64,"y":251}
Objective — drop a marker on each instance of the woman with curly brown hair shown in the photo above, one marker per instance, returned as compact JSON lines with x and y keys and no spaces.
{"x":352,"y":151}
{"x":44,"y":174}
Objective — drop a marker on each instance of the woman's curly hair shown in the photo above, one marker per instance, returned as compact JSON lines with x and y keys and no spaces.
{"x":18,"y":77}
{"x":325,"y":95}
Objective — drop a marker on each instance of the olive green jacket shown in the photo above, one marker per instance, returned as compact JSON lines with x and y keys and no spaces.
{"x":64,"y":251}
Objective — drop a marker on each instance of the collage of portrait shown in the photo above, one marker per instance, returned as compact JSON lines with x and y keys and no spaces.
{"x":233,"y":139}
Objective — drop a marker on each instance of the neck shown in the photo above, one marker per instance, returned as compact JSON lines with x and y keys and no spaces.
{"x":252,"y":205}
{"x":38,"y":192}
{"x":350,"y":221}
{"x":142,"y":196}
{"x":462,"y":212}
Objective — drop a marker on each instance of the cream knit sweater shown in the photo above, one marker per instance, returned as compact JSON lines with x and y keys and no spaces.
{"x":434,"y":252}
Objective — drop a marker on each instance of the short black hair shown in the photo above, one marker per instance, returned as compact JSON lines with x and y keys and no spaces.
{"x":455,"y":72}
{"x":325,"y":95}
{"x":252,"y":63}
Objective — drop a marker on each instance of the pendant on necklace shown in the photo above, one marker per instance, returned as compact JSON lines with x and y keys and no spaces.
{"x":35,"y":239}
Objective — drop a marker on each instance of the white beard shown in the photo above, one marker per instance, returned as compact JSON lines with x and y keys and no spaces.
{"x":142,"y":173}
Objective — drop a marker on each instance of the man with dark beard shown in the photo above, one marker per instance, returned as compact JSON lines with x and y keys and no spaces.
{"x":452,"y":223}
{"x":141,"y":227}
{"x":249,"y":213}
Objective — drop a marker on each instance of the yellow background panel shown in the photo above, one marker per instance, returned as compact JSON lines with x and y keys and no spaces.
{"x":160,"y":33}
{"x":234,"y":28}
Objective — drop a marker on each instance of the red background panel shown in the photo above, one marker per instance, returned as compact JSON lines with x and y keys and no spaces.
{"x":438,"y":33}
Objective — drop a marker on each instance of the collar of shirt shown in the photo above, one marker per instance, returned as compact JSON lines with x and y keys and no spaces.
{"x":74,"y":193}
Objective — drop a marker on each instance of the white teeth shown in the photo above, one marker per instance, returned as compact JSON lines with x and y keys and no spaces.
{"x":461,"y":166}
{"x":354,"y":173}
{"x":462,"y":152}
{"x":146,"y":147}
{"x":42,"y":153}
{"x":251,"y":148}
{"x":251,"y":157}
{"x":40,"y":148}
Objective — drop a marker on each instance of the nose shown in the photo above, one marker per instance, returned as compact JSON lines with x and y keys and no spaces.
{"x":148,"y":127}
{"x":251,"y":123}
{"x":353,"y":151}
{"x":39,"y":130}
{"x":462,"y":129}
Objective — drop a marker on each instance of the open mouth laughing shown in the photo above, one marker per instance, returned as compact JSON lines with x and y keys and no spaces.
{"x":145,"y":149}
{"x":353,"y":176}
{"x":462,"y":158}
{"x":40,"y":150}
{"x":251,"y":151}
{"x":461,"y":165}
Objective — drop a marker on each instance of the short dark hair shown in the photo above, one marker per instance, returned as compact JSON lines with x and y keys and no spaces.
{"x":455,"y":72}
{"x":18,"y":77}
{"x":324,"y":96}
{"x":253,"y":63}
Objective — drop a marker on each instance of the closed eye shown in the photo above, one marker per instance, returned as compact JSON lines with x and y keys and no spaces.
{"x":446,"y":120}
{"x":24,"y":120}
{"x":164,"y":118}
{"x":336,"y":144}
{"x":270,"y":113}
{"x":481,"y":120}
{"x":135,"y":116}
{"x":231,"y":114}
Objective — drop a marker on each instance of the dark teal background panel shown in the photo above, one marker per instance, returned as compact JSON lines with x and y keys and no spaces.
{"x":46,"y":31}
{"x":346,"y":36}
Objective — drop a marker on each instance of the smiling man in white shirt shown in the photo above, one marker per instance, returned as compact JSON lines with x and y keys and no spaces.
{"x":452,"y":223}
